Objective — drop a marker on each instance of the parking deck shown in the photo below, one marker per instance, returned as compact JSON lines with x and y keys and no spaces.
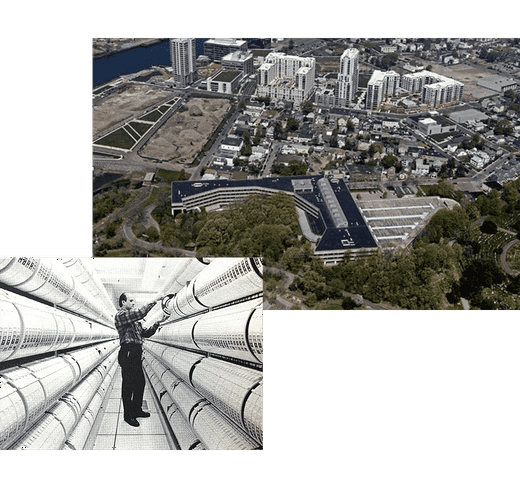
{"x":398,"y":221}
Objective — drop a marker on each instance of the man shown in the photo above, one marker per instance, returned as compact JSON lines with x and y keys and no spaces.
{"x":131,"y":334}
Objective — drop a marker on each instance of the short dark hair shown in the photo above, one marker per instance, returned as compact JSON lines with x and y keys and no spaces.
{"x":122,"y":299}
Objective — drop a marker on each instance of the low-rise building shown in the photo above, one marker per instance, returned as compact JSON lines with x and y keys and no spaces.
{"x":216,"y":49}
{"x":224,"y":82}
{"x":232,"y":144}
{"x":323,"y":204}
{"x":241,"y":61}
{"x":497,"y":83}
{"x":434,"y":124}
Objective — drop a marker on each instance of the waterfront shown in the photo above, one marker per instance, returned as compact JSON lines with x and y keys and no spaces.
{"x":114,"y":65}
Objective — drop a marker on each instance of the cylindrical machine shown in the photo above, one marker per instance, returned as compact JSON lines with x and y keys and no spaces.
{"x":204,"y":363}
{"x":34,"y":387}
{"x":50,"y":280}
{"x":224,"y":281}
{"x":53,"y":428}
{"x":207,"y":423}
{"x":29,"y":328}
{"x":194,"y":380}
{"x":234,"y":331}
{"x":83,"y":272}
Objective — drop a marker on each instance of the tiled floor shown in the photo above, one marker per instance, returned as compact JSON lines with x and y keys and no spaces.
{"x":110,"y":431}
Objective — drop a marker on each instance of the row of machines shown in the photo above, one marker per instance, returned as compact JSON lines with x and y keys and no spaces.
{"x":42,"y":402}
{"x":58,"y":352}
{"x":205,"y":362}
{"x":66,"y":283}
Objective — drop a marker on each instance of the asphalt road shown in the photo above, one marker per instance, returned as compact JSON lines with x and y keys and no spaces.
{"x":503,"y":257}
{"x":208,"y":157}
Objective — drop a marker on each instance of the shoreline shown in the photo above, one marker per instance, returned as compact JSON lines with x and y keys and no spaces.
{"x":127,"y":46}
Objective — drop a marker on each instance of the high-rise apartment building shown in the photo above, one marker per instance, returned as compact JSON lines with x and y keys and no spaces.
{"x":182,"y":56}
{"x":286,"y":77}
{"x":348,"y":77}
{"x":381,"y":85}
{"x":435,"y":89}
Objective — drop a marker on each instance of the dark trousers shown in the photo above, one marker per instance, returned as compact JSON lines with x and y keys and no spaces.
{"x":129,"y":359}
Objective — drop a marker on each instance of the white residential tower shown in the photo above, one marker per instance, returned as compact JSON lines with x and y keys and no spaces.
{"x":182,"y":56}
{"x":348,"y":77}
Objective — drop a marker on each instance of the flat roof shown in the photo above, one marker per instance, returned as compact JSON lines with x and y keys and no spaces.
{"x":226,"y":76}
{"x":226,"y":42}
{"x":336,"y":206}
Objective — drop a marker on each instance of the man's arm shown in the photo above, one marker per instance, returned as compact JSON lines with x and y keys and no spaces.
{"x":151,"y":330}
{"x":130,"y":316}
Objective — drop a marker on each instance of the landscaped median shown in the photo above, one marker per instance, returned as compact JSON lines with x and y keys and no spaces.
{"x":128,"y":136}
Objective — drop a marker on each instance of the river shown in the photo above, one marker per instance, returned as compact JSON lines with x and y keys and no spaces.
{"x":109,"y":67}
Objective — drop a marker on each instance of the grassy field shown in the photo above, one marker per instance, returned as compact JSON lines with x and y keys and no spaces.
{"x":119,"y":138}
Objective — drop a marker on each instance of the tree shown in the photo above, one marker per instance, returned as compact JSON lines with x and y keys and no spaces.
{"x":348,"y":304}
{"x":292,"y":124}
{"x":489,"y":227}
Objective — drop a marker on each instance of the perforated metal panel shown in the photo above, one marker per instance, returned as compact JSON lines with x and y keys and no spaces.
{"x":226,"y":386}
{"x":253,"y":413}
{"x":216,"y":432}
{"x":11,"y":329}
{"x":12,"y":413}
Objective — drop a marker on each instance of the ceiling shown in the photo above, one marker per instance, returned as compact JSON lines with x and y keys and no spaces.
{"x":144,"y":278}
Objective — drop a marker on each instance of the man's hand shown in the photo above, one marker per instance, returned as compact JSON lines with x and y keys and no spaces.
{"x":157,"y":325}
{"x":158,"y":298}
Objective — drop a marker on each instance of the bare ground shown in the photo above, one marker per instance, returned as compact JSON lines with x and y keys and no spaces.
{"x":184,"y":134}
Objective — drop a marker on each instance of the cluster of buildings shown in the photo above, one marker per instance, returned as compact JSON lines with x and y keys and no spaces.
{"x":292,"y":78}
{"x":233,"y":55}
{"x":435,"y":89}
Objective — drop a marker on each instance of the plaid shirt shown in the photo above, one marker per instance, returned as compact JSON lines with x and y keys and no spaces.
{"x":130,"y":329}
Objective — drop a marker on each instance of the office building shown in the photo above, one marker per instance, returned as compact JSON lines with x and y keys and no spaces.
{"x":327,"y":213}
{"x":216,"y":49}
{"x":286,"y":77}
{"x":432,"y":124}
{"x":238,"y":61}
{"x":381,"y":85}
{"x":182,"y":56}
{"x":348,"y":77}
{"x":225,"y":81}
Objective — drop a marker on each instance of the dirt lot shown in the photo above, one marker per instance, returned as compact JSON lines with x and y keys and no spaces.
{"x":184,"y":134}
{"x":129,"y":103}
{"x":469,"y":75}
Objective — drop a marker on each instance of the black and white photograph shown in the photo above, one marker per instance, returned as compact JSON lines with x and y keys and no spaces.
{"x":131,"y":353}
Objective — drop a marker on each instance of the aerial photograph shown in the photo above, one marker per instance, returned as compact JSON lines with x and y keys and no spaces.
{"x":368,"y":173}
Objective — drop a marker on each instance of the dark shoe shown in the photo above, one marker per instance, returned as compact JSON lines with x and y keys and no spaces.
{"x":142,"y":413}
{"x":133,"y":422}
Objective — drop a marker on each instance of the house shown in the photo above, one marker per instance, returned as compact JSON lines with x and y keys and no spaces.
{"x":232,"y":144}
{"x":422,"y":168}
